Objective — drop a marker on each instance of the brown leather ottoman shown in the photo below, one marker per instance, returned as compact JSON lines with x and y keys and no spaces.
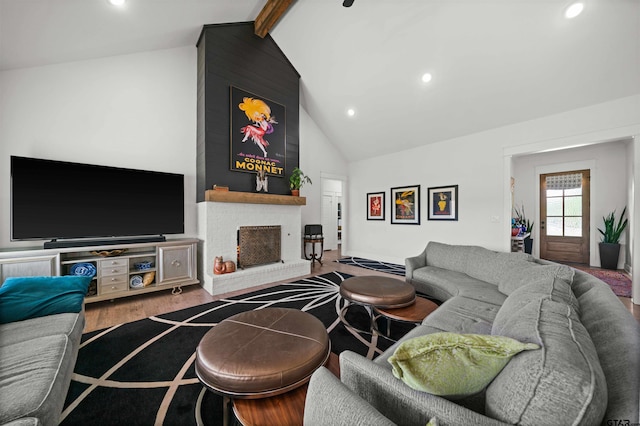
{"x":378,"y":291}
{"x":375,"y":291}
{"x":262,"y":353}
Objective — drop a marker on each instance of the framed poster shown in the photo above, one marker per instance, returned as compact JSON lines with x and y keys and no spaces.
{"x":443,"y":203}
{"x":405,"y":205}
{"x":375,"y":206}
{"x":258,"y":134}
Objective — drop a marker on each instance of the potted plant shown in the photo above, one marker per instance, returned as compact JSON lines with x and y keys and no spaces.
{"x":297,"y":180}
{"x":526,"y":226}
{"x":610,"y":244}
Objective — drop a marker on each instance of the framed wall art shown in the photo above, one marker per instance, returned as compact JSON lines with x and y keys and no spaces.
{"x":258,"y":135}
{"x":443,"y":203}
{"x":405,"y":205}
{"x":375,"y":205}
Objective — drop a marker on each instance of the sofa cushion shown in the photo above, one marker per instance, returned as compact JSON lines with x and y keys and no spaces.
{"x":527,"y":272}
{"x":34,"y":378}
{"x":463,"y":315}
{"x":616,"y":336}
{"x":451,"y":257}
{"x":451,"y":364}
{"x":328,"y":392}
{"x":25,"y":421}
{"x":551,"y":288}
{"x":475,"y":261}
{"x":31,"y":297}
{"x":443,"y":284}
{"x":70,"y":325}
{"x":492,"y":266}
{"x":563,"y":381}
{"x":438,"y":283}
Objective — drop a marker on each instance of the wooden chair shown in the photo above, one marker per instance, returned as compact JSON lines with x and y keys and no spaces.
{"x":313,"y":235}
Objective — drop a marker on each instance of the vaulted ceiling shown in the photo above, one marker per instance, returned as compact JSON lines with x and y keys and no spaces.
{"x":492,"y":62}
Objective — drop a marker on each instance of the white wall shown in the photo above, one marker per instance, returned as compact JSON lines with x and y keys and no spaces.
{"x":135,"y":111}
{"x":480,"y":165}
{"x":318,"y":157}
{"x":609,"y":185}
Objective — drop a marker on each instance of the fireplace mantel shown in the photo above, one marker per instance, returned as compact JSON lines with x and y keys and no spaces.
{"x":253,"y":198}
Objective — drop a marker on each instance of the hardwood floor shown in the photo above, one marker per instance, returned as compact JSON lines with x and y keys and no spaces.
{"x":105,"y":314}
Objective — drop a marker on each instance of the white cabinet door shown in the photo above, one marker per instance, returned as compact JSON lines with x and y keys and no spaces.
{"x":43,"y":266}
{"x":330,"y":222}
{"x":176,"y":263}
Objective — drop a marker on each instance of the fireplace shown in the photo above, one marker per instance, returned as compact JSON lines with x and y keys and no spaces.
{"x":220,"y":218}
{"x":258,"y":245}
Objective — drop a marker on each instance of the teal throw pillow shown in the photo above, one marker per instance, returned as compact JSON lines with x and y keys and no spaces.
{"x":455,"y":365}
{"x":31,"y":297}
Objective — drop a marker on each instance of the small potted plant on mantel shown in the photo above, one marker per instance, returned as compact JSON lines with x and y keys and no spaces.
{"x":297,"y":180}
{"x":610,"y":244}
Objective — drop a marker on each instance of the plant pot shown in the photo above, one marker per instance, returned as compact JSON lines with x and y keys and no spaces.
{"x":528,"y":245}
{"x":295,"y":192}
{"x":609,"y":253}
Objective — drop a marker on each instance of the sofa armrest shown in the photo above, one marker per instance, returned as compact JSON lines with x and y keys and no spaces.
{"x":413,"y":263}
{"x":330,"y":402}
{"x":397,"y":401}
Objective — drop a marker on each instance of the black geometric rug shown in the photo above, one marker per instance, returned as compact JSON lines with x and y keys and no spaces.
{"x":142,"y":373}
{"x":374,"y":265}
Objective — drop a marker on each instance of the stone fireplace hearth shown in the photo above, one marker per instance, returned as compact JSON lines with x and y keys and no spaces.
{"x":218,"y":224}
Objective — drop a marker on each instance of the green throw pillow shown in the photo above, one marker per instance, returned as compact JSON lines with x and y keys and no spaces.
{"x":450,"y":364}
{"x":31,"y":297}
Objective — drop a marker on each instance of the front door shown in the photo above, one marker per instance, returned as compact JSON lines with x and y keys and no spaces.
{"x":564,"y":216}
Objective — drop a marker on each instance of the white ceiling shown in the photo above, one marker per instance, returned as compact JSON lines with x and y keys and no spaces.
{"x":494,"y":62}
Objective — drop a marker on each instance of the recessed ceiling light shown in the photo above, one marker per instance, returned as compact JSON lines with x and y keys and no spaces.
{"x":351,"y":112}
{"x":117,"y":2}
{"x":573,"y":10}
{"x":426,"y":77}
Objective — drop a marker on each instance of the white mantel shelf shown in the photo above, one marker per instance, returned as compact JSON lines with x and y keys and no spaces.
{"x":253,"y":198}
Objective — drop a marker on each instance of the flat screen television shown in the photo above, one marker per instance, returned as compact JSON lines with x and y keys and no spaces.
{"x":63,"y":200}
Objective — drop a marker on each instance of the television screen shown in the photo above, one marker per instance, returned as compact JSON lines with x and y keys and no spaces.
{"x":63,"y":200}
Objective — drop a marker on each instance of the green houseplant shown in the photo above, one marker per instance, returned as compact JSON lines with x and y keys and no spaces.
{"x":521,"y":219}
{"x":297,"y":180}
{"x":610,"y":244}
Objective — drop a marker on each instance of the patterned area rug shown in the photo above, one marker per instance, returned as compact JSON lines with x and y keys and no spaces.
{"x":619,"y":282}
{"x":374,"y":265}
{"x":142,"y":373}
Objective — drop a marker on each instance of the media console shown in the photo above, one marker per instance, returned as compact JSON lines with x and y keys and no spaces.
{"x":121,"y":270}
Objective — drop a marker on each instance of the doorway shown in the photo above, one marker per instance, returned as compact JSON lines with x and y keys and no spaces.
{"x":564,"y":216}
{"x":332,"y":213}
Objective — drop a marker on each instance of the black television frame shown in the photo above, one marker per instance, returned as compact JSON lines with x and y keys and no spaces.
{"x":69,"y":199}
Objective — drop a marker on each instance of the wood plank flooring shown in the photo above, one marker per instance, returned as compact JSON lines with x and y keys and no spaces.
{"x":105,"y":314}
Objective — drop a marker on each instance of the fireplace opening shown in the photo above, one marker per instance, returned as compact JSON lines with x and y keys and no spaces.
{"x":258,"y":245}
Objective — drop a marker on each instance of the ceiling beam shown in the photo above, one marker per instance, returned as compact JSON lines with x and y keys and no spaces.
{"x":269,"y":15}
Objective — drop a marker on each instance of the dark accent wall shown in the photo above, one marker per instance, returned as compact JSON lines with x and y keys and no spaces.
{"x":232,"y":55}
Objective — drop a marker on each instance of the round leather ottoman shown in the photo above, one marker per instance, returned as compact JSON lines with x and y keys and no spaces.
{"x":378,"y":291}
{"x":262,"y":353}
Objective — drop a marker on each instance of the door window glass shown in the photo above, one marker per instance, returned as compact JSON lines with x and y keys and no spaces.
{"x":564,"y":206}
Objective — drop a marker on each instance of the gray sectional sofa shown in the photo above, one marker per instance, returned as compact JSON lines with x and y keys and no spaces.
{"x":37,"y":357}
{"x":587,"y":371}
